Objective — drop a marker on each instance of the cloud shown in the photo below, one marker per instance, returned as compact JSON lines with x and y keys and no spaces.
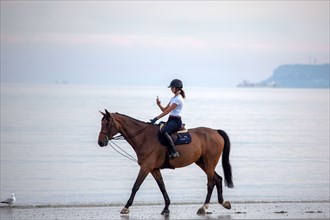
{"x":109,"y":40}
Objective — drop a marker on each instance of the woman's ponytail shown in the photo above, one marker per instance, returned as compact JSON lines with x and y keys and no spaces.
{"x":182,"y":93}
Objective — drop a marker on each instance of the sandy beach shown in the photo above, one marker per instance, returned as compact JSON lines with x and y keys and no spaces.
{"x":279,"y":210}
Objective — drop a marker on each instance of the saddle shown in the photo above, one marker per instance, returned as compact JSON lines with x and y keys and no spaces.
{"x":182,"y":136}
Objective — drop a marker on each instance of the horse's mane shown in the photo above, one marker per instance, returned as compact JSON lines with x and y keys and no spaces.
{"x":131,"y":118}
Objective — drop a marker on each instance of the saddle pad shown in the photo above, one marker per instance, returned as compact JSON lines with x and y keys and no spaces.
{"x":183,"y":138}
{"x":178,"y":138}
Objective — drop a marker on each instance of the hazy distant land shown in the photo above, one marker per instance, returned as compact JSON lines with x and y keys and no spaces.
{"x":296,"y":76}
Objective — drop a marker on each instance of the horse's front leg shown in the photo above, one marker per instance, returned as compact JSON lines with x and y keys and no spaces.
{"x":159,"y":179}
{"x":139,"y":180}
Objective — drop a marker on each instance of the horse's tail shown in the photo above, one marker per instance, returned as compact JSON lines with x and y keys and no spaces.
{"x":225,"y":160}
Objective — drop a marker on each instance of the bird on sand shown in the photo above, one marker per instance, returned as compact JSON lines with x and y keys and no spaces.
{"x":10,"y":201}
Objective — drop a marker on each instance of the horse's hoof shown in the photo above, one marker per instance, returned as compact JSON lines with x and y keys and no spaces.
{"x":201,"y":211}
{"x":165,"y":212}
{"x":124,"y":211}
{"x":226,"y":205}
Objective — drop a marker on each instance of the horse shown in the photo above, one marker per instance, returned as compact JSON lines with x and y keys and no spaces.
{"x":205,"y":150}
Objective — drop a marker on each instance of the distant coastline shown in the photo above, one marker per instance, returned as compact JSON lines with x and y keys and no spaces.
{"x":295,"y":76}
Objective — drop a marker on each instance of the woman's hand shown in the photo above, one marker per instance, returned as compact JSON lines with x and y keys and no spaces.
{"x":159,"y":105}
{"x":153,"y":121}
{"x":158,"y":101}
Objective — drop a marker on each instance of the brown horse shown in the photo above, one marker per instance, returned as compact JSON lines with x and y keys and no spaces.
{"x":205,"y":150}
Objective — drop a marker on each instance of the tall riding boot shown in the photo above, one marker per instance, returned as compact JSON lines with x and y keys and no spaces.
{"x":170,"y":145}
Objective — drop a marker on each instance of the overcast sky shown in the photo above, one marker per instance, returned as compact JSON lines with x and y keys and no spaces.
{"x":207,"y":43}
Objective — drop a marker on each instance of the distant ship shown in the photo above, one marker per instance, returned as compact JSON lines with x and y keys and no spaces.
{"x":247,"y":84}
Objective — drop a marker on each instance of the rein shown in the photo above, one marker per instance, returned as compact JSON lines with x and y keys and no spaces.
{"x":124,"y":154}
{"x":113,"y":145}
{"x":121,"y":137}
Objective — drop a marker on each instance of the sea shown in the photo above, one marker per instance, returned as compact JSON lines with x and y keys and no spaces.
{"x":50,"y":156}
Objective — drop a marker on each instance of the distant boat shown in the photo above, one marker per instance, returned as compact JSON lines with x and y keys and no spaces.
{"x":247,"y":84}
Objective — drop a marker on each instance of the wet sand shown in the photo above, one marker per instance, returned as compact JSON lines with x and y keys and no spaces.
{"x":291,"y":210}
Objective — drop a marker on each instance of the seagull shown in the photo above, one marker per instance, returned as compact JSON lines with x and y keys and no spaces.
{"x":10,"y":201}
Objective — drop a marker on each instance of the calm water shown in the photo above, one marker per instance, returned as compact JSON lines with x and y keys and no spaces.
{"x":49,"y":154}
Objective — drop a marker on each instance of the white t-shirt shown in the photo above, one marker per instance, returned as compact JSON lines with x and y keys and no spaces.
{"x":178,"y":100}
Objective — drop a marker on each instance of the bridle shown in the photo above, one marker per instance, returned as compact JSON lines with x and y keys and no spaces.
{"x":107,"y":135}
{"x":120,"y":137}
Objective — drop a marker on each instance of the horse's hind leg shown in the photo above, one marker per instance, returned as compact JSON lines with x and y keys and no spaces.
{"x":210,"y":185}
{"x":159,"y":179}
{"x":218,"y":183}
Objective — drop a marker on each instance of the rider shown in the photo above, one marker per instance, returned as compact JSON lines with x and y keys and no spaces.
{"x":174,"y":122}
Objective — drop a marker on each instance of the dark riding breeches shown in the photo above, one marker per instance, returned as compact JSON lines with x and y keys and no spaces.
{"x":172,"y":125}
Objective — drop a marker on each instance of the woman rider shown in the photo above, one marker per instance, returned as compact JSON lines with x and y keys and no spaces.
{"x":174,"y":108}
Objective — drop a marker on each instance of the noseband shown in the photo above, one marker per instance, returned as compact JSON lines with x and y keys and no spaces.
{"x":106,"y":136}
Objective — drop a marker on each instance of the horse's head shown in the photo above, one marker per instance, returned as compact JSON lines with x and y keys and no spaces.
{"x":109,"y":128}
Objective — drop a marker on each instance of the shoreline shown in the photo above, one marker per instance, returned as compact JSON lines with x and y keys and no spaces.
{"x":242,"y":210}
{"x":96,"y":205}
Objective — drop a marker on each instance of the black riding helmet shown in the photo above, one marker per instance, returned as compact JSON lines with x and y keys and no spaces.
{"x":176,"y":83}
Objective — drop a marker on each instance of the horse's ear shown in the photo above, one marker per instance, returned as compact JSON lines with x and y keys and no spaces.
{"x":106,"y":111}
{"x":102,"y":113}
